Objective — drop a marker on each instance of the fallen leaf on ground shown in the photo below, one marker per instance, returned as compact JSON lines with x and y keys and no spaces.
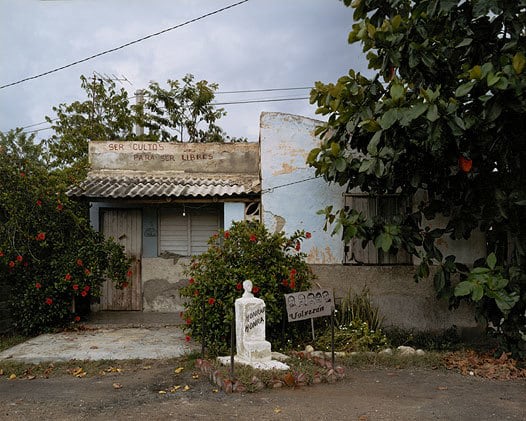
{"x":186,"y":388}
{"x":12,"y":376}
{"x":195,"y":376}
{"x":178,"y":370}
{"x":117,"y":386}
{"x":77,"y":372}
{"x":277,"y":410}
{"x":147,"y":367}
{"x":471,"y":363}
{"x":162,"y":392}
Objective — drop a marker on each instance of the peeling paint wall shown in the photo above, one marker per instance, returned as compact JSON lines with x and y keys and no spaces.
{"x":290,"y":200}
{"x":162,"y":277}
{"x":291,"y":196}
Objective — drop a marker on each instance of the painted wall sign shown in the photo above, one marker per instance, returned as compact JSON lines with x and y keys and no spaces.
{"x":232,"y":158}
{"x":309,"y":304}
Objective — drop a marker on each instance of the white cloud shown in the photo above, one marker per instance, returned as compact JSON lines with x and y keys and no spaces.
{"x":259,"y":44}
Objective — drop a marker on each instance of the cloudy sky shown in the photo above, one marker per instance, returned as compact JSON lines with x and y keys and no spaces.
{"x":260,"y":44}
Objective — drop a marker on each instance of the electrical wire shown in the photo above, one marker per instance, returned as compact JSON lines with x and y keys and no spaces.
{"x":123,"y":45}
{"x":213,"y":103}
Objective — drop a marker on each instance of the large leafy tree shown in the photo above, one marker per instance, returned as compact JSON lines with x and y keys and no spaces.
{"x":444,"y":114}
{"x":182,"y":112}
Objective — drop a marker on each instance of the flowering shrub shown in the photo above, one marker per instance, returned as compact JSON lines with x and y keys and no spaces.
{"x":49,"y":255}
{"x":274,"y":264}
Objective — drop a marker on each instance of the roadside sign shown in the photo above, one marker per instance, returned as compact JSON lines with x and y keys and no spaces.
{"x":309,"y":304}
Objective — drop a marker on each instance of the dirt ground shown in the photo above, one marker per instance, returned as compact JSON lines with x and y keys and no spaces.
{"x":364,"y":395}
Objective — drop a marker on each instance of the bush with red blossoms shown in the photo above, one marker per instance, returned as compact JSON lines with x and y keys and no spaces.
{"x":49,"y":255}
{"x":247,"y":250}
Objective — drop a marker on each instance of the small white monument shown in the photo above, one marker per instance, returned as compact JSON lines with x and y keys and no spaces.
{"x":251,"y":346}
{"x":250,"y":327}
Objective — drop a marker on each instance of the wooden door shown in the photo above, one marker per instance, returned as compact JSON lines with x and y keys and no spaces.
{"x":125,"y":226}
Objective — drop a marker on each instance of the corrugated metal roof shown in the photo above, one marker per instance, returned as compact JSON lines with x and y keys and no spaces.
{"x":131,"y":184}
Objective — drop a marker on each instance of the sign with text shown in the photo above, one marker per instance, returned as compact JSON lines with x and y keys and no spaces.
{"x":309,"y":304}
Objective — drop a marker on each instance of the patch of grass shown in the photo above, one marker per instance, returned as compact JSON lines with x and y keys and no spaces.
{"x":371,"y":359}
{"x":89,"y":368}
{"x":10,"y":340}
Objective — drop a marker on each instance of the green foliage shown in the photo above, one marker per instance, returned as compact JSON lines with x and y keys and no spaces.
{"x":358,"y":307}
{"x":183,"y":112}
{"x":355,"y":336}
{"x":448,"y":340}
{"x":274,"y":264}
{"x":444,"y":114}
{"x":49,"y":254}
{"x":357,"y":325}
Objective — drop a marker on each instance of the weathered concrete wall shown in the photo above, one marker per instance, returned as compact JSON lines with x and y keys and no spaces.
{"x":161,"y":280}
{"x":291,"y":196}
{"x":229,"y":158}
{"x":403,"y":302}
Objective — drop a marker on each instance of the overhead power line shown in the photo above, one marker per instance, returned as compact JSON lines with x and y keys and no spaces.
{"x":250,"y":101}
{"x":124,"y":45}
{"x":264,"y":90}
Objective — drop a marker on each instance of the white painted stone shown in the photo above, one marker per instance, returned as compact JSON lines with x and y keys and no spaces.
{"x":420,"y":352}
{"x":406,"y":351}
{"x":386,"y":351}
{"x":309,"y":348}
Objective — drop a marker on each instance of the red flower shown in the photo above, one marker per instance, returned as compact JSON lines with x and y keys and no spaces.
{"x":292,"y":284}
{"x":298,"y":246}
{"x":211,"y":301}
{"x":87,"y":288}
{"x":255,"y":289}
{"x":80,"y":262}
{"x":293,"y":272}
{"x":38,"y":286}
{"x":285,"y":283}
{"x":308,"y":235}
{"x":129,"y":273}
{"x":49,"y":301}
{"x":188,"y":321}
{"x":67,"y":277}
{"x":39,"y":202}
{"x":196,"y":292}
{"x":226,"y":234}
{"x":465,"y":164}
{"x":77,"y":318}
{"x":83,"y":293}
{"x":41,"y":236}
{"x":19,"y":258}
{"x":191,"y":280}
{"x":59,"y":207}
{"x":1,"y":253}
{"x":75,"y":287}
{"x":11,"y":264}
{"x":187,"y":338}
{"x":87,"y":272}
{"x":253,"y":238}
{"x":239,"y":286}
{"x":125,"y":284}
{"x":22,"y":174}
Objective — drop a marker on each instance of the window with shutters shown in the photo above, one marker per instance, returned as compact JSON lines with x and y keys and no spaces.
{"x":185,"y":229}
{"x":387,"y":205}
